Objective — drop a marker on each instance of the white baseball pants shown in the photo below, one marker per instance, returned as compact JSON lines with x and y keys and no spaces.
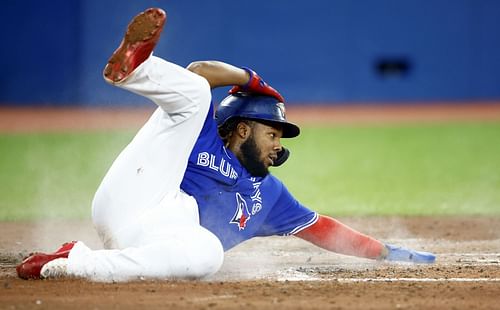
{"x":150,"y":228}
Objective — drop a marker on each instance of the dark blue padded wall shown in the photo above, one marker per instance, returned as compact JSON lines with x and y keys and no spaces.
{"x":40,"y":52}
{"x":317,"y":51}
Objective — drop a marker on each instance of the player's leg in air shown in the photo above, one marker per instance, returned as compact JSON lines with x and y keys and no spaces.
{"x":149,"y":227}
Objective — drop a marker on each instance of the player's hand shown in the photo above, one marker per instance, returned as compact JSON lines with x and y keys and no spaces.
{"x":401,"y":254}
{"x":256,"y":85}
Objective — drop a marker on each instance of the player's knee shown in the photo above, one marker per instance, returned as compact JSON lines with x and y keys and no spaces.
{"x":209,"y":260}
{"x":203,"y":94}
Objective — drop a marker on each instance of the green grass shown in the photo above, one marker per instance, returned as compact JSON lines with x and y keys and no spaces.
{"x":438,"y":169}
{"x":54,"y":175}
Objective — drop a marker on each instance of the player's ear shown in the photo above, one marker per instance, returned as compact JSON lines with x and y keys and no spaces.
{"x":243,"y":130}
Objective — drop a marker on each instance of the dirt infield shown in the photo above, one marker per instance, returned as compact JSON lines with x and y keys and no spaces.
{"x":277,"y":272}
{"x":283,"y":272}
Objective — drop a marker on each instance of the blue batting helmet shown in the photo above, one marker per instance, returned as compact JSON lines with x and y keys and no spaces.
{"x":255,"y":107}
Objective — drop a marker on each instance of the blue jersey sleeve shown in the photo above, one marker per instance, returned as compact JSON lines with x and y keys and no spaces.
{"x":208,"y":132}
{"x":287,"y":216}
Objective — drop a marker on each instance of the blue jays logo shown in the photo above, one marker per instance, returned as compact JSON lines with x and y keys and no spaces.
{"x":242,"y":215}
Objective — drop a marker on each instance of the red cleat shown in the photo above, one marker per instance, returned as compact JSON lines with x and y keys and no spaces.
{"x":32,"y":265}
{"x":141,"y":37}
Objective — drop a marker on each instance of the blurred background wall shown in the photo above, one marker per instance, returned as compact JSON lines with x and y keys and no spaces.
{"x":315,"y":51}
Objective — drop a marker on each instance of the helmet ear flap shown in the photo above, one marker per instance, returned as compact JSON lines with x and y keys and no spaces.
{"x":282,"y":157}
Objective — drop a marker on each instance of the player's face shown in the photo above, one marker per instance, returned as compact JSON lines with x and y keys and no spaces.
{"x":261,"y":148}
{"x":268,"y":141}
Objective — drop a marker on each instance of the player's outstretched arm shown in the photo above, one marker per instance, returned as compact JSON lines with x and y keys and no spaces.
{"x":332,"y":235}
{"x":219,"y":74}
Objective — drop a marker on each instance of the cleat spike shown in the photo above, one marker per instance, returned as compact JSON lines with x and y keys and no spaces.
{"x":140,"y":39}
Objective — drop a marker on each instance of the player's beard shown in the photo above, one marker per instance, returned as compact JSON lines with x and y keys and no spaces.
{"x":250,"y":158}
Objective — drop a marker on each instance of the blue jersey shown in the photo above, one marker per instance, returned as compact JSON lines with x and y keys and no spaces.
{"x":232,"y":204}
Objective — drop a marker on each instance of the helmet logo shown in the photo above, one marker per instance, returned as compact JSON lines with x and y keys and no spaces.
{"x":281,"y":108}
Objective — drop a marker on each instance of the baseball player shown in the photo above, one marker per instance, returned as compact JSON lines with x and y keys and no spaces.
{"x":190,"y":186}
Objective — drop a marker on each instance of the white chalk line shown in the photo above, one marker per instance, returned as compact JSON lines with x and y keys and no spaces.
{"x":469,"y":254}
{"x":473,"y":263}
{"x":212,"y":298}
{"x":416,"y":279}
{"x":388,"y":280}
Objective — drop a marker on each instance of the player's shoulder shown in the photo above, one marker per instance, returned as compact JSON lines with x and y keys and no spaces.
{"x":271,"y":181}
{"x":275,"y":191}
